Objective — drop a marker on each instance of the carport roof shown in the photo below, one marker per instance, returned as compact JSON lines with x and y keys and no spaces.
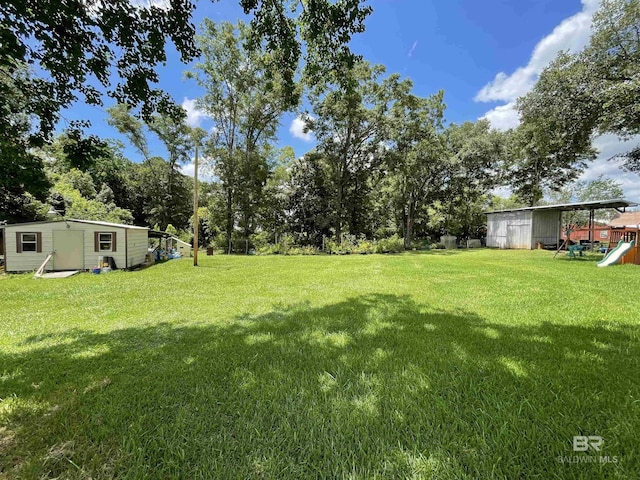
{"x":158,"y":234}
{"x":566,"y":207}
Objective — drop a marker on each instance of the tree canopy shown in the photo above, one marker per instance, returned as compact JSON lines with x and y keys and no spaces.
{"x":80,"y":47}
{"x":596,"y":90}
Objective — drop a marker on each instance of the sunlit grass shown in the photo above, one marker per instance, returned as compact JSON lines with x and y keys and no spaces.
{"x":476,"y":364}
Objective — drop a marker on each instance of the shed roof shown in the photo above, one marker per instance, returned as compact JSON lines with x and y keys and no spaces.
{"x":180,"y":241}
{"x":566,"y":207}
{"x":75,"y":220}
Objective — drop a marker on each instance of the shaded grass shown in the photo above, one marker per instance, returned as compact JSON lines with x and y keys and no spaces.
{"x":481,"y":364}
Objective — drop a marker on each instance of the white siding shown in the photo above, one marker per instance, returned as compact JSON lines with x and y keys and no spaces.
{"x":138,"y":242}
{"x":90,"y":254}
{"x":30,"y":261}
{"x":184,"y":249}
{"x":25,"y":261}
{"x":546,"y":227}
{"x":509,"y":230}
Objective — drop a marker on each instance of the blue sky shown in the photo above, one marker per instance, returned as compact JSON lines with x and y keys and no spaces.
{"x":483,"y":54}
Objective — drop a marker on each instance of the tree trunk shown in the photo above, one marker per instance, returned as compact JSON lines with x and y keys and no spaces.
{"x":408,"y":227}
{"x":339,"y":213}
{"x":229,"y":220}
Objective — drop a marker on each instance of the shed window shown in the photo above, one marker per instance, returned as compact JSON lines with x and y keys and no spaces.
{"x":29,"y":242}
{"x":105,"y":242}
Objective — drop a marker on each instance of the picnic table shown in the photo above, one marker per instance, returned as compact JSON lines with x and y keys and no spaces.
{"x":576,"y":248}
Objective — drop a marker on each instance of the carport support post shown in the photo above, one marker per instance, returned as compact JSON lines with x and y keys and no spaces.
{"x":195,"y":208}
{"x":591,"y":228}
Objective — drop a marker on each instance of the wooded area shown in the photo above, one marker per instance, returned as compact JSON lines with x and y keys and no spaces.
{"x":386,"y":161}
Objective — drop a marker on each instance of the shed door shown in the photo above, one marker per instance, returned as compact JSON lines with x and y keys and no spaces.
{"x":516,"y":236}
{"x":68,"y":246}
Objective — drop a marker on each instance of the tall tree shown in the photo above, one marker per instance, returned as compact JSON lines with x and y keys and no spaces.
{"x":274,"y":214}
{"x":600,"y":188}
{"x":418,"y":160}
{"x":245,"y":97}
{"x":348,"y":123}
{"x":308,"y":205}
{"x":476,"y":156}
{"x":22,"y":174}
{"x":539,"y":158}
{"x":152,"y":180}
{"x":168,"y":192}
{"x":598,"y":89}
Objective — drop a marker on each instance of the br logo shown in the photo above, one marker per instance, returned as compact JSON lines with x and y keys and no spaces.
{"x":583,"y":443}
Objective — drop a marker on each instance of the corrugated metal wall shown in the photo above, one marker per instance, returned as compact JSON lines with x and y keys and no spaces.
{"x":546,"y":227}
{"x":509,"y":229}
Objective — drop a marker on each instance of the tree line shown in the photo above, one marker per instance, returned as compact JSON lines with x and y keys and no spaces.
{"x":385,"y":162}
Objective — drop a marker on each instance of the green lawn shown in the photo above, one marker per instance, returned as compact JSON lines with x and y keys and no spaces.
{"x":472,"y":364}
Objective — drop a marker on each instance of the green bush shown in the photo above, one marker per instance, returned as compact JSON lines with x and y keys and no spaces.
{"x":437,"y":246}
{"x":331,"y":247}
{"x":365,"y":246}
{"x":421,"y":244}
{"x":306,"y":250}
{"x":285,"y":242}
{"x":259,"y":240}
{"x":269,"y":249}
{"x":352,"y":245}
{"x":277,"y":248}
{"x":393,"y":244}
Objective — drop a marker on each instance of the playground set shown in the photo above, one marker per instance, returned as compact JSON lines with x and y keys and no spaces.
{"x":623,"y":247}
{"x":626,"y":251}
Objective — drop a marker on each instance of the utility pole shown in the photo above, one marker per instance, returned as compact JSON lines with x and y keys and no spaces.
{"x":195,"y":208}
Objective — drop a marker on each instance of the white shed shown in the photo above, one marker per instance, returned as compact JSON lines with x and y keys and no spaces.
{"x":525,"y":227}
{"x":181,"y":247}
{"x":73,"y":244}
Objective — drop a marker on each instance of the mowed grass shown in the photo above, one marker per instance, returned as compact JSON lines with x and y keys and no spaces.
{"x":448,"y":365}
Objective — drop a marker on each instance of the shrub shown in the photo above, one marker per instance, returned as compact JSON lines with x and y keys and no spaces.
{"x":285,"y":242}
{"x":331,"y":246}
{"x":421,"y":244}
{"x":364,"y":247}
{"x":259,"y":240}
{"x":393,"y":244}
{"x":351,"y":244}
{"x":437,"y":246}
{"x":277,"y":248}
{"x":306,"y":250}
{"x":269,"y":249}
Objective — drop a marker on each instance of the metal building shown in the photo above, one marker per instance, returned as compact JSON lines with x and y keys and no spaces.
{"x":524,"y":228}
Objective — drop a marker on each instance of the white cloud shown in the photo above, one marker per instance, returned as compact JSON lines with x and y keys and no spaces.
{"x":413,"y":49}
{"x":571,"y":35}
{"x":297,"y":129}
{"x":163,"y":4}
{"x":194,"y":116}
{"x":205,"y":172}
{"x":503,"y":117}
{"x":189,"y":169}
{"x":609,"y":146}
